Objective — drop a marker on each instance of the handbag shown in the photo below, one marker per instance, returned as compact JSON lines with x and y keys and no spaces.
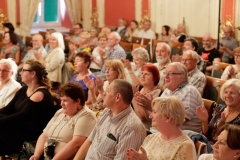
{"x":27,"y":150}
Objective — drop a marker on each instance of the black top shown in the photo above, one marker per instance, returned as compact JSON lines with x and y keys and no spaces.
{"x":209,"y":55}
{"x":24,"y":120}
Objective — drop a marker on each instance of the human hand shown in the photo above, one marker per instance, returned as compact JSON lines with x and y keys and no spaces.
{"x":89,"y":83}
{"x":102,"y":52}
{"x":34,"y":157}
{"x":37,"y":55}
{"x":127,"y":64}
{"x":132,"y":154}
{"x":231,"y":70}
{"x":144,"y":100}
{"x":202,"y":113}
{"x":223,"y":117}
{"x":99,"y":83}
{"x":176,"y":58}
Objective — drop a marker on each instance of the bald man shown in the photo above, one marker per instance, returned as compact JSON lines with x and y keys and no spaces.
{"x":227,"y":45}
{"x":37,"y":43}
{"x":208,"y":52}
{"x":178,"y":35}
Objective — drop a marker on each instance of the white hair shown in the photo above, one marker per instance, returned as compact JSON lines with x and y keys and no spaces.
{"x":117,"y":36}
{"x":141,"y":53}
{"x":11,"y":65}
{"x":59,"y":38}
{"x":193,"y":53}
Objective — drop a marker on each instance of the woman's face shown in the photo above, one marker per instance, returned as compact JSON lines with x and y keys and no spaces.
{"x":5,"y":72}
{"x":47,"y":35}
{"x":26,"y":73}
{"x":231,"y":96}
{"x":111,"y":74}
{"x":164,"y":32}
{"x":83,"y":40}
{"x":69,"y":106}
{"x":102,"y":42}
{"x":93,"y":33}
{"x":146,"y":78}
{"x":53,"y":43}
{"x":158,"y":120}
{"x":80,"y":65}
{"x":237,"y":58}
{"x":221,"y":151}
{"x":133,"y":25}
{"x":138,"y":62}
{"x":6,"y":39}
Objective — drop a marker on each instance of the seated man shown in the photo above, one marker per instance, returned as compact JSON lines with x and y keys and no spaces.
{"x":178,"y":34}
{"x":38,"y":48}
{"x":121,"y":29}
{"x":147,"y":32}
{"x":195,"y":76}
{"x":117,"y":129}
{"x":78,"y":28}
{"x":209,"y":53}
{"x":227,"y":45}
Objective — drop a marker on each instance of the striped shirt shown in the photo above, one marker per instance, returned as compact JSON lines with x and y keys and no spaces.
{"x":191,"y":99}
{"x":197,"y":79}
{"x":112,"y":136}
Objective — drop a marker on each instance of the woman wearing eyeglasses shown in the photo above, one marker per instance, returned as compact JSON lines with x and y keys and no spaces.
{"x":233,"y":71}
{"x":26,"y":115}
{"x":8,"y":85}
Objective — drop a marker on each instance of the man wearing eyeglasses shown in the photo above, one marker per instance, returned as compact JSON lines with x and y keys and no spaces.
{"x":77,"y":28}
{"x":195,"y":76}
{"x":227,"y":45}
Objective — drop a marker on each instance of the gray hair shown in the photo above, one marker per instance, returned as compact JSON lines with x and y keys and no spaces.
{"x":59,"y":38}
{"x":168,"y":48}
{"x":11,"y":65}
{"x":141,"y":53}
{"x":193,"y":53}
{"x":117,"y":36}
{"x":228,"y":83}
{"x":181,"y":68}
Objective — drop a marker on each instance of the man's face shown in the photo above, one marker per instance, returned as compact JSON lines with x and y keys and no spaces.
{"x":109,"y":96}
{"x":187,"y":45}
{"x":188,"y":61}
{"x":227,"y":32}
{"x":112,"y":40}
{"x":207,"y":41}
{"x":146,"y":26}
{"x":77,"y":29}
{"x":162,"y":54}
{"x":173,"y":77}
{"x":36,"y":42}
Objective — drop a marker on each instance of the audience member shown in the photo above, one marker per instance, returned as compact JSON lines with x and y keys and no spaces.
{"x":169,"y":142}
{"x":121,"y":29}
{"x":93,"y":37}
{"x":26,"y":115}
{"x":106,"y":30}
{"x":146,"y":32}
{"x":78,"y":28}
{"x":132,"y":30}
{"x":229,"y":113}
{"x":162,"y":53}
{"x":69,"y":127}
{"x":165,"y":36}
{"x":149,"y":80}
{"x":98,"y":52}
{"x":195,"y":76}
{"x":133,"y":69}
{"x":178,"y":35}
{"x":84,"y":40}
{"x":10,"y":49}
{"x":227,"y":146}
{"x":117,"y":129}
{"x":233,"y":71}
{"x":227,"y":45}
{"x":8,"y":85}
{"x":209,"y":53}
{"x":55,"y":59}
{"x":47,"y":37}
{"x":81,"y":64}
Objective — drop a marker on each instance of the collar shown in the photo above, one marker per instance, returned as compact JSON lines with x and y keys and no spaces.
{"x":183,"y":84}
{"x":120,"y":115}
{"x":192,"y":71}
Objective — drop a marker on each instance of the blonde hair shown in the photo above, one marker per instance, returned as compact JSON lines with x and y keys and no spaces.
{"x":170,"y":107}
{"x":86,"y":35}
{"x":141,"y":53}
{"x":118,"y":66}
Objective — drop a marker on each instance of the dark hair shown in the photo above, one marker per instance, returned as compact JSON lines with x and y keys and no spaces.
{"x":154,"y":70}
{"x":134,"y":21}
{"x":74,"y":91}
{"x":80,"y":25}
{"x":167,"y":28}
{"x":193,"y":41}
{"x":9,"y":26}
{"x":41,"y":73}
{"x":126,"y":91}
{"x":13,"y":37}
{"x":233,"y":135}
{"x":85,"y":56}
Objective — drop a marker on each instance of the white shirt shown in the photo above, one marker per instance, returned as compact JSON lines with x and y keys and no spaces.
{"x":147,"y":34}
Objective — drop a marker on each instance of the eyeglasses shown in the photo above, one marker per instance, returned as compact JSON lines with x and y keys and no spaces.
{"x":172,"y":73}
{"x":24,"y":70}
{"x":186,"y":60}
{"x":109,"y":69}
{"x":236,"y":55}
{"x":4,"y":71}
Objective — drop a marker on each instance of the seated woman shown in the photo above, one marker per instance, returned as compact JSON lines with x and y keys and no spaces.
{"x":233,"y":71}
{"x":68,"y":128}
{"x":83,"y":46}
{"x":227,"y":146}
{"x":132,"y":30}
{"x":94,"y":37}
{"x":55,"y":59}
{"x":149,"y":80}
{"x":81,"y":64}
{"x":121,"y":29}
{"x":47,"y":36}
{"x":26,"y":115}
{"x":133,"y":69}
{"x":164,"y":36}
{"x":169,"y":142}
{"x":98,"y":52}
{"x":229,"y":113}
{"x":11,"y":49}
{"x":8,"y":85}
{"x":114,"y":70}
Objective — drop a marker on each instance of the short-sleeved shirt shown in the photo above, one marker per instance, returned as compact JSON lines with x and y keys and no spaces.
{"x":209,"y":55}
{"x":230,"y":43}
{"x":13,"y":52}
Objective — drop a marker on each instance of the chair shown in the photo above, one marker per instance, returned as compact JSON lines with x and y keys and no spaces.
{"x":124,"y":38}
{"x":71,"y":32}
{"x":147,"y":41}
{"x":176,"y":48}
{"x":45,"y":41}
{"x":209,"y":105}
{"x":199,"y":39}
{"x":136,"y":40}
{"x":218,"y":68}
{"x":42,"y":33}
{"x":212,"y":89}
{"x":136,"y":45}
{"x":126,"y":46}
{"x":28,"y":41}
{"x":200,"y":147}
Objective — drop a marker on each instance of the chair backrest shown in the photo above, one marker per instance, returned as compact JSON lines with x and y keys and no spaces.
{"x":212,"y":89}
{"x":126,"y":46}
{"x":43,"y":33}
{"x":136,"y":45}
{"x":124,"y":38}
{"x":28,"y":41}
{"x":209,"y":105}
{"x":200,"y":147}
{"x":218,"y":68}
{"x":136,"y":40}
{"x":176,"y":48}
{"x":146,"y":41}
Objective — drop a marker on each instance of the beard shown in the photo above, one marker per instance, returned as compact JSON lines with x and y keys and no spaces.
{"x":161,"y":59}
